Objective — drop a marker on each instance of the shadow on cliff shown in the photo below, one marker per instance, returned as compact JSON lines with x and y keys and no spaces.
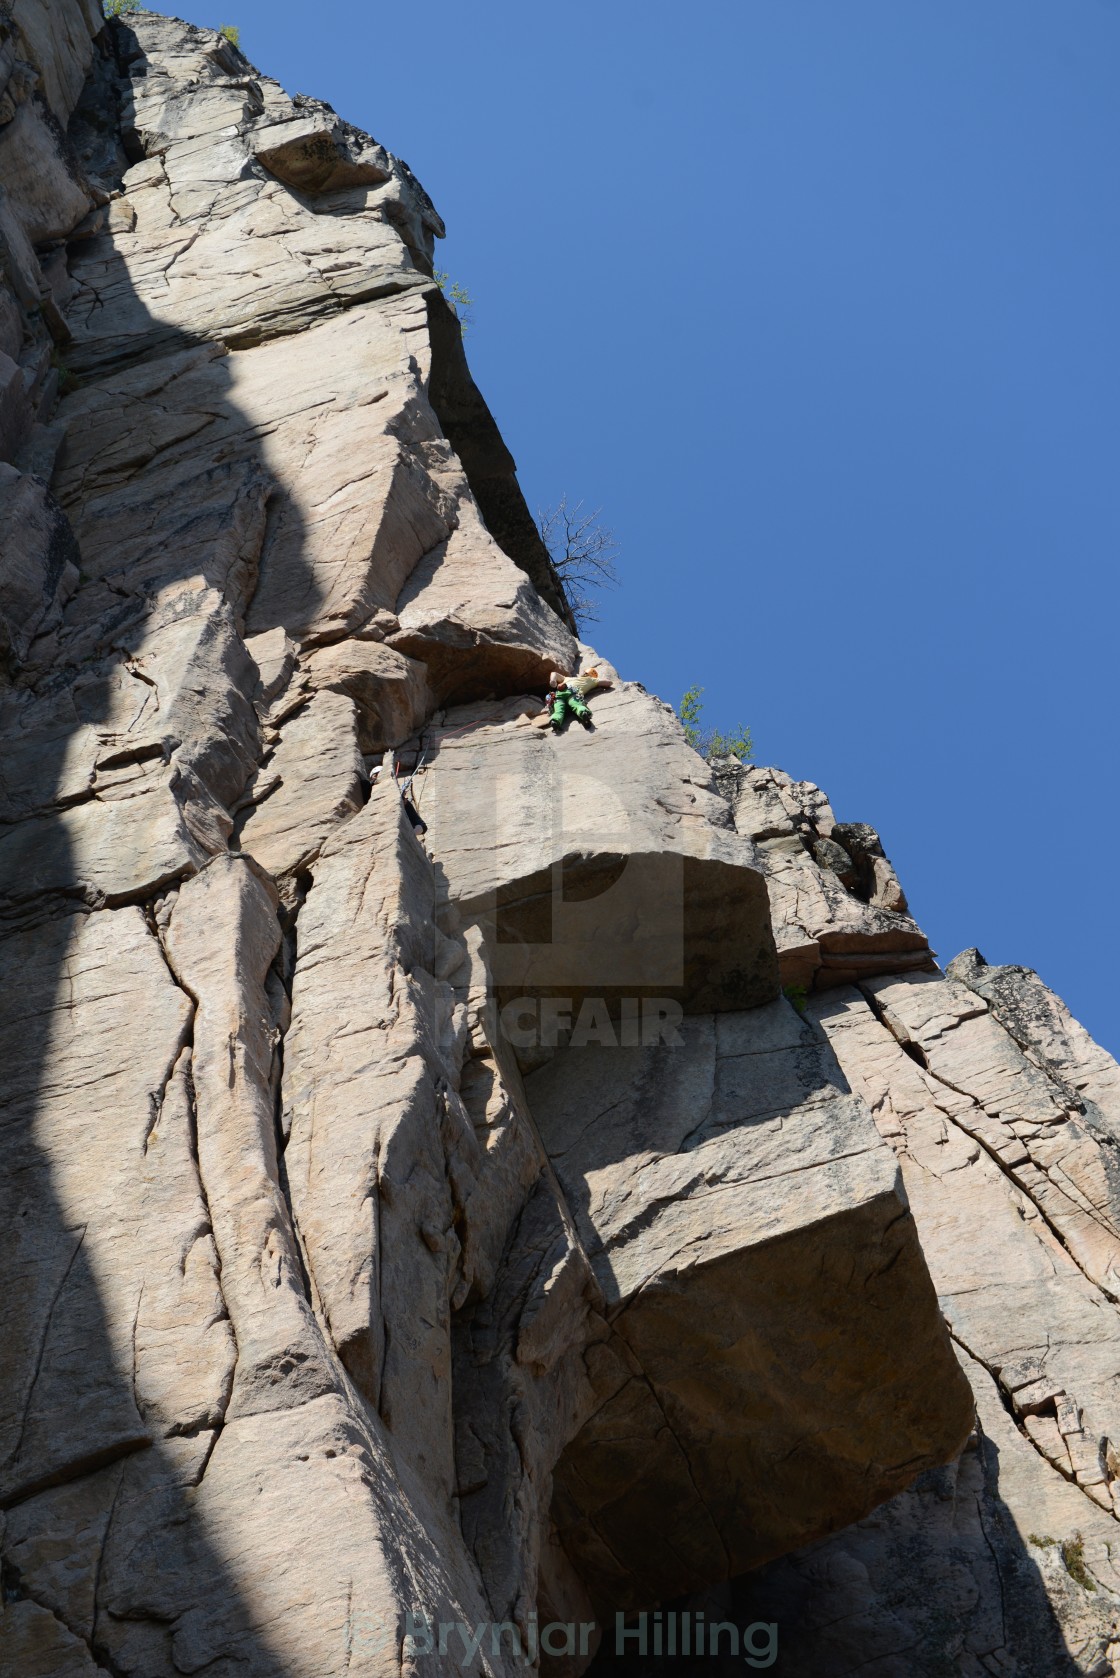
{"x":936,"y":1583}
{"x":104,"y":1544}
{"x":141,"y":1583}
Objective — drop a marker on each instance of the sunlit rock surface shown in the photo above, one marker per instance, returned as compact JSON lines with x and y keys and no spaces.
{"x":421,"y":1204}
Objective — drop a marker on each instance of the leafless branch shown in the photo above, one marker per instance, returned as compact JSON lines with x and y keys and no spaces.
{"x":583,"y":551}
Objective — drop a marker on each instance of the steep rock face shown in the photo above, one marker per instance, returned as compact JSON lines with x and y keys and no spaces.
{"x":749,"y":1239}
{"x":838,"y":910}
{"x":1004,"y":1117}
{"x":597,"y":864}
{"x":462,"y":1233}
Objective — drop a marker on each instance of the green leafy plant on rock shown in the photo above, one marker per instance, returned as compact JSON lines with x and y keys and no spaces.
{"x":1073,"y":1554}
{"x":232,"y":34}
{"x":798,"y":995}
{"x":119,"y":8}
{"x":458,"y":296}
{"x":711,"y":742}
{"x":66,"y":380}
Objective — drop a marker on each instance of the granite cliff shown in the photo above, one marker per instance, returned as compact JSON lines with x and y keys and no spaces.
{"x":599,"y":1200}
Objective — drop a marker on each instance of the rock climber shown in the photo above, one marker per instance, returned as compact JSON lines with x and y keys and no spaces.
{"x":567,"y":697}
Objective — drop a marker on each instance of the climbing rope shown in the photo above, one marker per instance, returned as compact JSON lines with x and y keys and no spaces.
{"x":437,"y":737}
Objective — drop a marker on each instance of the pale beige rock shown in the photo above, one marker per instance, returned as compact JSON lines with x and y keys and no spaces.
{"x":1018,"y":1113}
{"x":825,"y":935}
{"x":313,"y":153}
{"x":390,"y":691}
{"x":300,"y":1315}
{"x":364,"y":1190}
{"x":474,"y":618}
{"x":963,"y":1574}
{"x":407,"y":1160}
{"x":56,"y":35}
{"x":1015,"y":1297}
{"x":280,"y":413}
{"x":131,"y":1344}
{"x":326,"y":568}
{"x":39,"y":181}
{"x":1008,"y":1287}
{"x":178,"y":697}
{"x":146,"y":754}
{"x":279,"y":1358}
{"x":125,"y":785}
{"x":838,"y":914}
{"x":275,"y":656}
{"x":767,"y":804}
{"x":312,"y":781}
{"x":219,"y":248}
{"x":315,"y":1482}
{"x":115,"y":849}
{"x":522,"y":1376}
{"x":728,"y":1193}
{"x":597,"y":864}
{"x":1043,"y":1432}
{"x":94,"y":1149}
{"x":1046,"y":1032}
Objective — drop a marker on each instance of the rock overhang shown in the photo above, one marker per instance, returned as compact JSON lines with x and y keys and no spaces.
{"x":593,"y":864}
{"x":775,"y":1364}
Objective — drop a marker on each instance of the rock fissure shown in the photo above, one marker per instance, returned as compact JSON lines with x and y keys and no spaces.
{"x":78,"y":1469}
{"x":976,"y":1131}
{"x":38,"y":1363}
{"x":1006,"y":1400}
{"x":1025,"y":1187}
{"x":96,"y":1656}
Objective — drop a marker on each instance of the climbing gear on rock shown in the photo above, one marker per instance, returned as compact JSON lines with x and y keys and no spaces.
{"x":415,"y":819}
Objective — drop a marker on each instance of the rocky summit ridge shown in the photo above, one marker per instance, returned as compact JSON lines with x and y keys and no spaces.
{"x":592,"y":1201}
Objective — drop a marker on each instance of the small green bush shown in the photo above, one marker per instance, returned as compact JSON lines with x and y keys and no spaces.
{"x":66,"y":380}
{"x":457,"y":295}
{"x":710,"y":742}
{"x":1073,"y":1554}
{"x":118,"y":8}
{"x":798,"y":995}
{"x":232,"y":34}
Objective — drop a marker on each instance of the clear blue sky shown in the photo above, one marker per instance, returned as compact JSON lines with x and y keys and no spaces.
{"x":820,"y":303}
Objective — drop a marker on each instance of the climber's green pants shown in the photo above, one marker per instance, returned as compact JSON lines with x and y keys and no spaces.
{"x":566,"y":703}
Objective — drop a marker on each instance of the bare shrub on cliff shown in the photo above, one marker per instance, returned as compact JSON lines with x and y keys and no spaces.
{"x":582,"y":550}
